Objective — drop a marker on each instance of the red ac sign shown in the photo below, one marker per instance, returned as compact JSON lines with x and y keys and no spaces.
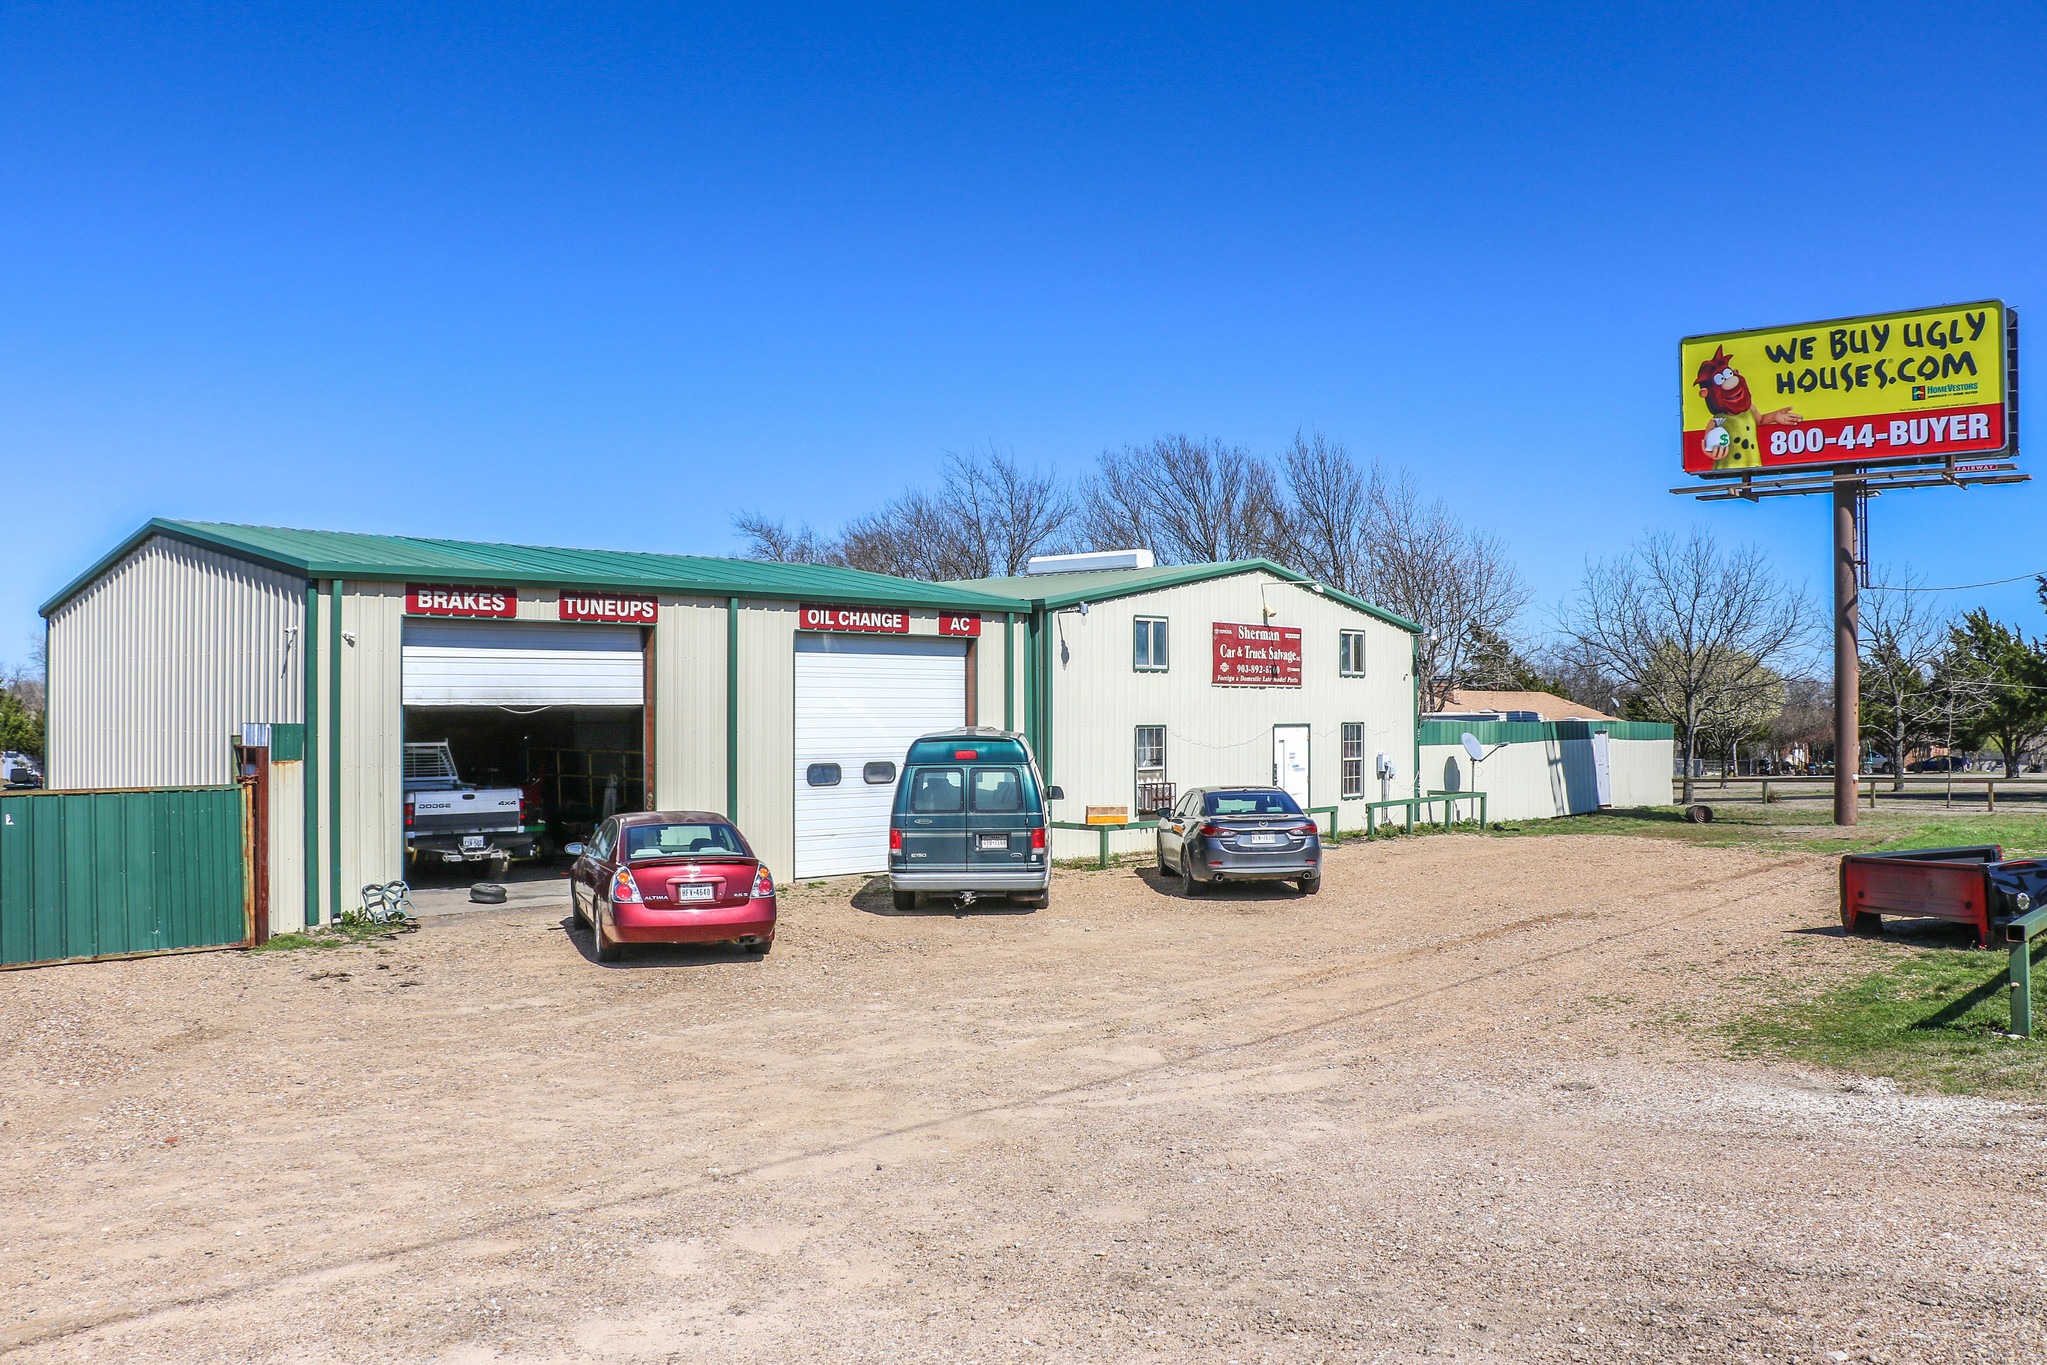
{"x":959,"y":625}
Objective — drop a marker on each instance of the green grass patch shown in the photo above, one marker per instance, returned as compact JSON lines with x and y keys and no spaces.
{"x":1929,"y":1017}
{"x":333,"y":936}
{"x":1751,"y":824}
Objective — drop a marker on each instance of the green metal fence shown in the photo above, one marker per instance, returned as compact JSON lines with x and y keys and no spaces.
{"x":118,"y":873}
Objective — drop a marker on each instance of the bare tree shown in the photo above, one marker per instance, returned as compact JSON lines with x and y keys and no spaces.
{"x":1187,"y":501}
{"x":1903,"y":640}
{"x":988,"y":517}
{"x":1326,"y":520}
{"x":773,"y":540}
{"x":1691,"y":629}
{"x":1444,"y":576}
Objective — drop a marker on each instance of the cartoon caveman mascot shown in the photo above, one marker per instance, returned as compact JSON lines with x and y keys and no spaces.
{"x":1731,"y":440}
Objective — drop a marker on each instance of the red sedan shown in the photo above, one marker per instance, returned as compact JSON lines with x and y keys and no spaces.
{"x":671,"y":877}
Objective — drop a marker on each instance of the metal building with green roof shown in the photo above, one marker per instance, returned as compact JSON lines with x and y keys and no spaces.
{"x":604,"y":680}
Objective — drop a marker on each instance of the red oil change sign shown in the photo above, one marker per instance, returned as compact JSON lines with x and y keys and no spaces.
{"x":959,"y":625}
{"x":437,"y":599}
{"x":630,"y":609}
{"x":871,"y":620}
{"x":1257,"y":656}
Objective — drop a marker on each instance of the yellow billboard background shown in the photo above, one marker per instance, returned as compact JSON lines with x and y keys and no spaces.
{"x":1868,"y":370}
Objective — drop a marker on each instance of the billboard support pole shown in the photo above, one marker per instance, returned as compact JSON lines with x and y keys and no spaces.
{"x":1847,"y":661}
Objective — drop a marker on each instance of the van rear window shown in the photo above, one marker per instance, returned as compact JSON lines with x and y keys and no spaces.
{"x":937,"y":791}
{"x":997,"y":790}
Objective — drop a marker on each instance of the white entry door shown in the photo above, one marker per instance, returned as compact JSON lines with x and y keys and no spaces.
{"x":1602,"y":769}
{"x":860,"y":700}
{"x":1290,"y":761}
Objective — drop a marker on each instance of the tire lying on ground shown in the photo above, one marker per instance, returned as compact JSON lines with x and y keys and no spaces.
{"x":487,"y":893}
{"x":1699,"y":815}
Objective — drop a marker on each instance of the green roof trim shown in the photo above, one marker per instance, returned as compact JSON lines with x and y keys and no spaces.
{"x":1055,"y":590}
{"x":1537,"y":731}
{"x":357,"y":557}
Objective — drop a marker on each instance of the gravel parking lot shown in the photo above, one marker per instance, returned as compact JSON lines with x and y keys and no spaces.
{"x":1464,"y":1102}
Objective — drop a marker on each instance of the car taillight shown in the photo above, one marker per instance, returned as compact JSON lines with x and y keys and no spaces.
{"x":624,"y":890}
{"x":1212,"y":831}
{"x":408,"y":814}
{"x":895,"y":841}
{"x":763,"y":884}
{"x":1309,"y":828}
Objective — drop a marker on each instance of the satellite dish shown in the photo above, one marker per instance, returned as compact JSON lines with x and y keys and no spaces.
{"x":1473,"y":747}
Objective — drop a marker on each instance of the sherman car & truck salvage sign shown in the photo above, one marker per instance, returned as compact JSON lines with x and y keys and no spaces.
{"x":1256,"y":656}
{"x":1889,"y":386}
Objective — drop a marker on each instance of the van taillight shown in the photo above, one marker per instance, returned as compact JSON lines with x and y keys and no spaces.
{"x":1038,"y":840}
{"x":895,"y":841}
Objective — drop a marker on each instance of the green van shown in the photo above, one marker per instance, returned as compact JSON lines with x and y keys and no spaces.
{"x":969,"y":820}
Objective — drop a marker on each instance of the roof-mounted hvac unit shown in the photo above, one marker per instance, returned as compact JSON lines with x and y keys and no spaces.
{"x":1091,"y":560}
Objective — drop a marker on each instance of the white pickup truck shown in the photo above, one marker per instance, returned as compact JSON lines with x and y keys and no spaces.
{"x":448,"y":821}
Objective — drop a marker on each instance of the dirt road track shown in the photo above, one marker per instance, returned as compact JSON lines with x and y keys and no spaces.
{"x":1451,"y":1105}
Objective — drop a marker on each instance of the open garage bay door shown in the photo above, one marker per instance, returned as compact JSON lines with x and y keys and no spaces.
{"x":859,"y":702}
{"x":522,"y":664}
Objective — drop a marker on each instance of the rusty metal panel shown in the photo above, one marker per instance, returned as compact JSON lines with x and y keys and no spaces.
{"x":118,"y":873}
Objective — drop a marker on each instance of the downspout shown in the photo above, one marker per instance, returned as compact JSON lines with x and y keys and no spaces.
{"x":732,"y":709}
{"x":334,"y":745}
{"x":1045,"y":696}
{"x":1031,"y":681}
{"x":309,"y":776}
{"x":1008,"y":670}
{"x":1416,"y":670}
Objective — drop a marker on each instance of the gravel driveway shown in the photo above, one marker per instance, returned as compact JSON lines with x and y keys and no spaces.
{"x":1461,"y":1103}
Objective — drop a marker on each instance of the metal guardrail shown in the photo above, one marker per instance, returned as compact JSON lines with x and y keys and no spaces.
{"x":1415,"y":804}
{"x":2020,"y":933}
{"x":1102,"y":859}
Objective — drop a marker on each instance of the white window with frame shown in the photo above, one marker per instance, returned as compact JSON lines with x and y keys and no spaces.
{"x":1149,"y":650}
{"x":1353,"y":759}
{"x":1350,"y":654}
{"x":1154,"y":792}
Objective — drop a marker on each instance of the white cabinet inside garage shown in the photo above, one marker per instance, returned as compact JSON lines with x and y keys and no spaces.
{"x":860,"y":700}
{"x":522,"y":664}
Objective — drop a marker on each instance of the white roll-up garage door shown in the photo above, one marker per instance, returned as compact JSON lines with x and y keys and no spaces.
{"x":522,"y":663}
{"x":861,"y":700}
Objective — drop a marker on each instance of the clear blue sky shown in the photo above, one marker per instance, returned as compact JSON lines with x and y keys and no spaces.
{"x":601,"y":276}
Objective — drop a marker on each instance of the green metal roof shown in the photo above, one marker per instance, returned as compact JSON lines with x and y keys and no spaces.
{"x":349,"y":555}
{"x":1056,"y":590}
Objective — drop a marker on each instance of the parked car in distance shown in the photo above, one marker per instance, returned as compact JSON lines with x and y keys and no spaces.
{"x":969,"y":820}
{"x":1216,"y":834}
{"x":1949,"y":763}
{"x":671,"y":877}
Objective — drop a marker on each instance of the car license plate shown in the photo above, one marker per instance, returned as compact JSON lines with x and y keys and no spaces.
{"x":993,"y":842}
{"x":1262,"y":838}
{"x":693,"y":891}
{"x":472,"y":841}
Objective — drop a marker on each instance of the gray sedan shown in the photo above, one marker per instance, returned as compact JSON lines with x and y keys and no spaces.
{"x":1216,"y":834}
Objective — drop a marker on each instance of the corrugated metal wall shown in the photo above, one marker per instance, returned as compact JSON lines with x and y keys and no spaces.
{"x":1217,"y":734}
{"x":1641,"y":770}
{"x":106,"y":874}
{"x":689,"y":704}
{"x":287,"y":847}
{"x":767,"y":730}
{"x":372,"y":723}
{"x":154,"y":666}
{"x":1537,"y":778}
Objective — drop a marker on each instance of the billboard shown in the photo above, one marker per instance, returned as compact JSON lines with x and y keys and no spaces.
{"x":1889,"y":386}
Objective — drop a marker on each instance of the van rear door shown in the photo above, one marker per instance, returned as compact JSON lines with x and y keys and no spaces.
{"x":1000,"y":803}
{"x":932,"y":814}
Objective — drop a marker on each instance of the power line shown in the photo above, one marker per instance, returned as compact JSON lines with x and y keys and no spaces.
{"x":1959,"y":587}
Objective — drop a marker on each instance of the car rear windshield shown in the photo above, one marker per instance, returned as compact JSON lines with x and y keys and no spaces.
{"x":1250,"y":803}
{"x":966,"y":751}
{"x":681,"y":841}
{"x":937,"y":791}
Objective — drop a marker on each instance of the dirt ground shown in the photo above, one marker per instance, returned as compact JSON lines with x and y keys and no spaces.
{"x":1461,"y":1103}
